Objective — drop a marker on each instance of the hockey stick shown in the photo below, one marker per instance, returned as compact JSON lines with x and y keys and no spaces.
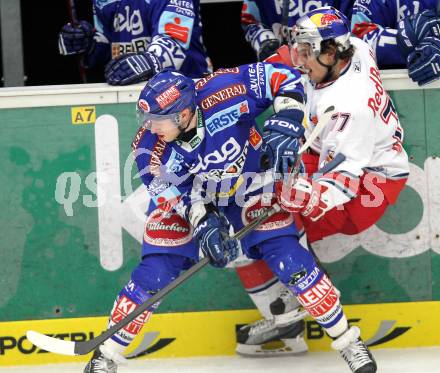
{"x":71,"y":348}
{"x":74,"y":19}
{"x":325,"y":117}
{"x":285,"y":22}
{"x":81,"y":348}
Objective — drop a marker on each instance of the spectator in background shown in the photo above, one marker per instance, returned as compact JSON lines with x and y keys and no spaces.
{"x":138,"y":38}
{"x":402,"y":33}
{"x":264,"y":22}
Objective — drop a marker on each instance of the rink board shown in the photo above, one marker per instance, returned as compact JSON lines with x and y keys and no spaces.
{"x":397,"y":325}
{"x":69,"y":241}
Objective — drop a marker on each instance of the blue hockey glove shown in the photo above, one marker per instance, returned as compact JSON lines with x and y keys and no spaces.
{"x":76,"y":39}
{"x":132,"y":68}
{"x":424,"y":62}
{"x":412,"y":30}
{"x":281,"y":144}
{"x":212,"y":237}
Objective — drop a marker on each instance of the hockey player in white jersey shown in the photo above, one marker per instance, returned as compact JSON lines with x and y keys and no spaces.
{"x":347,"y":75}
{"x":364,"y":128}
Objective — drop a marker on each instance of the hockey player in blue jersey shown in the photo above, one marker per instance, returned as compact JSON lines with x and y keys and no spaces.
{"x":265,"y":22}
{"x":137,"y":38}
{"x":402,"y":34}
{"x":198,"y":153}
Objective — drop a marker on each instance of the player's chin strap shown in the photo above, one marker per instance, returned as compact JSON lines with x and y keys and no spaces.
{"x":186,"y":136}
{"x":328,"y":76}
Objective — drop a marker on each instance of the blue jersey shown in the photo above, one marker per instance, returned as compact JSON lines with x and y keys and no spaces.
{"x":375,"y":21}
{"x":263,"y":19}
{"x":220,"y":158}
{"x":171,"y":29}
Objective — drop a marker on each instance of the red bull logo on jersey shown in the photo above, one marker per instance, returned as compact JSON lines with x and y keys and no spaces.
{"x":324,"y":19}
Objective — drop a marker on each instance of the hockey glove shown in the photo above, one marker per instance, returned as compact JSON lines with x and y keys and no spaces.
{"x":76,"y":39}
{"x":304,"y":197}
{"x":412,"y":30}
{"x":212,"y":237}
{"x":312,"y":198}
{"x":424,"y":62}
{"x":132,"y":68}
{"x":267,"y":49}
{"x":281,"y":144}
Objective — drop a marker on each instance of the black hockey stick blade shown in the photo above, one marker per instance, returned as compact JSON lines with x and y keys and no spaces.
{"x":71,"y":348}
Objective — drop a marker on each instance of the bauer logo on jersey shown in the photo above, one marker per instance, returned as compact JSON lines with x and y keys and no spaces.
{"x":323,"y":19}
{"x":257,"y":205}
{"x":167,"y":97}
{"x":167,"y":229}
{"x":227,"y":117}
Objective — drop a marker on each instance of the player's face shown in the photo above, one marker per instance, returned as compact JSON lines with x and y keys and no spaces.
{"x":303,"y":56}
{"x":166,"y":129}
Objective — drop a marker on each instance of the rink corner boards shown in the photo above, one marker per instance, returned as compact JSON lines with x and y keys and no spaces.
{"x":189,"y":334}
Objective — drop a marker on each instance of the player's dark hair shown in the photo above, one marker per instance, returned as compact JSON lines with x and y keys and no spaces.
{"x":328,"y":44}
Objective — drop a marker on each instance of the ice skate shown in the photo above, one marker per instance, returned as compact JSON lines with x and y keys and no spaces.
{"x":264,"y":338}
{"x":286,"y":309}
{"x":355,"y":352}
{"x":100,"y":364}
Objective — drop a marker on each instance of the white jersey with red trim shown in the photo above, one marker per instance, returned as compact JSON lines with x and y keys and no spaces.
{"x":365,"y":127}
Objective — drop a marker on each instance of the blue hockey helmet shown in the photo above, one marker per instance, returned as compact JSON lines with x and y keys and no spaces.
{"x":164,"y":97}
{"x":323,"y":24}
